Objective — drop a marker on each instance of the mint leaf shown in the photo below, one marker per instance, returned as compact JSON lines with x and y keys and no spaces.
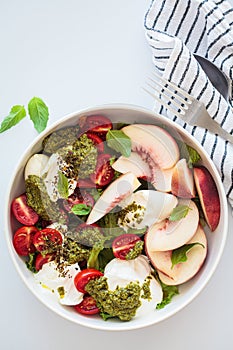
{"x":38,"y":112}
{"x":179,"y":212}
{"x":63,"y":185}
{"x":17,"y":113}
{"x":168,"y":293}
{"x":81,"y":209}
{"x":194,"y":156}
{"x":179,"y":254}
{"x":119,"y":141}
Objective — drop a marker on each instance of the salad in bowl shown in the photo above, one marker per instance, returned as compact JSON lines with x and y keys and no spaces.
{"x":117,"y":218}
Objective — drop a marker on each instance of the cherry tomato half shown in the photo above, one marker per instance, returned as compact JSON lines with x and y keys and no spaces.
{"x":23,"y":240}
{"x":84,"y":276}
{"x":98,"y":124}
{"x":98,"y":142}
{"x":44,"y":238}
{"x":22,"y":212}
{"x":87,"y":306}
{"x":42,"y":259}
{"x":122,"y":244}
{"x":104,"y":173}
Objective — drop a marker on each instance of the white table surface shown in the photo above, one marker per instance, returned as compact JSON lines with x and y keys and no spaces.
{"x":76,"y":54}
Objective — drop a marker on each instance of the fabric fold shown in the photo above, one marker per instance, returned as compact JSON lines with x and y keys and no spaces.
{"x":175,"y":30}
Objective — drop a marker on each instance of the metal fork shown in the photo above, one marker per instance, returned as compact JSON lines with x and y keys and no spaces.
{"x":184,"y":106}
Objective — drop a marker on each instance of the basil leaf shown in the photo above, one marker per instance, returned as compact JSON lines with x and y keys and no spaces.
{"x":81,"y":209}
{"x":194,"y":156}
{"x":168,"y":293}
{"x":179,"y":212}
{"x":17,"y":113}
{"x":179,"y":254}
{"x":63,"y":185}
{"x":119,"y":141}
{"x":38,"y":112}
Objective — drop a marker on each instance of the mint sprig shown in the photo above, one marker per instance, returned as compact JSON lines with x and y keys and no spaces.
{"x":180,"y":254}
{"x":119,"y":141}
{"x":63,"y":185}
{"x":81,"y":209}
{"x":38,"y":113}
{"x":179,"y":212}
{"x":17,"y":113}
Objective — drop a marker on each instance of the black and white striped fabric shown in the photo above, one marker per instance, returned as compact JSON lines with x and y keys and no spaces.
{"x":176,"y":29}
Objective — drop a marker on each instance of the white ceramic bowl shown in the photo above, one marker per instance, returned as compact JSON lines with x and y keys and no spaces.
{"x":188,"y":291}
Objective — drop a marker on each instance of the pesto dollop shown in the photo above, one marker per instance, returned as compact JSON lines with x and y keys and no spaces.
{"x":39,"y":200}
{"x":122,"y":302}
{"x":59,"y":139}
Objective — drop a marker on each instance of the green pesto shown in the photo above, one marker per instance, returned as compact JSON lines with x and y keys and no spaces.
{"x":146,"y":288}
{"x":89,"y":236}
{"x":80,"y":158}
{"x":72,"y":252}
{"x":61,"y":292}
{"x":39,"y":200}
{"x":135,"y":251}
{"x":59,"y":139}
{"x":121,"y":302}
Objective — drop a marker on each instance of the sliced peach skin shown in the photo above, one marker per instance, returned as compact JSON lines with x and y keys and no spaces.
{"x":182,"y":184}
{"x":122,"y":187}
{"x":183,"y":271}
{"x":208,"y":194}
{"x":168,"y":235}
{"x":154,"y":144}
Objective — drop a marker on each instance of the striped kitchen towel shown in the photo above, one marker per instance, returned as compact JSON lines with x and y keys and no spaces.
{"x":176,"y":29}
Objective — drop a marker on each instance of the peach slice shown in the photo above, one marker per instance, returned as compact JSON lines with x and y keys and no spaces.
{"x":122,"y":187}
{"x":183,"y":271}
{"x":154,"y":144}
{"x":134,"y":163}
{"x":208,"y":194}
{"x":168,"y":235}
{"x":182,"y":183}
{"x":161,"y":179}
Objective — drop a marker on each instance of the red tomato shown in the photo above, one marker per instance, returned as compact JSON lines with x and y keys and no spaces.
{"x":98,"y":124}
{"x":104,"y":173}
{"x":98,"y":142}
{"x":84,"y":276}
{"x":22,"y":212}
{"x":78,"y":197}
{"x":87,"y":306}
{"x":122,"y":244}
{"x":45,"y":237}
{"x":23,"y":240}
{"x":42,"y":259}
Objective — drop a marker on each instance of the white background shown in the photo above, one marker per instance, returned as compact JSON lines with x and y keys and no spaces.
{"x":75,"y":54}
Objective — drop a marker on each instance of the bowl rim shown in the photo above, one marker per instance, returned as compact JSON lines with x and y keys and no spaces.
{"x":180,"y":129}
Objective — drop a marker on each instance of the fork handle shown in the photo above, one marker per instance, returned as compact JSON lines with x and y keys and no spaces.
{"x":215,"y":128}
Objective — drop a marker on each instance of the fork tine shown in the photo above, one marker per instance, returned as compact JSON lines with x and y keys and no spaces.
{"x":171,"y":97}
{"x":163,"y":103}
{"x":175,"y":87}
{"x":165,"y":88}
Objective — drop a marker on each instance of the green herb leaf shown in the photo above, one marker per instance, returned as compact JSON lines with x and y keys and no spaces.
{"x":119,"y":141}
{"x":194,"y":156}
{"x":179,"y":212}
{"x":39,"y":113}
{"x":179,"y":254}
{"x":81,"y":209}
{"x":168,"y":293}
{"x":17,"y":113}
{"x":63,"y":185}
